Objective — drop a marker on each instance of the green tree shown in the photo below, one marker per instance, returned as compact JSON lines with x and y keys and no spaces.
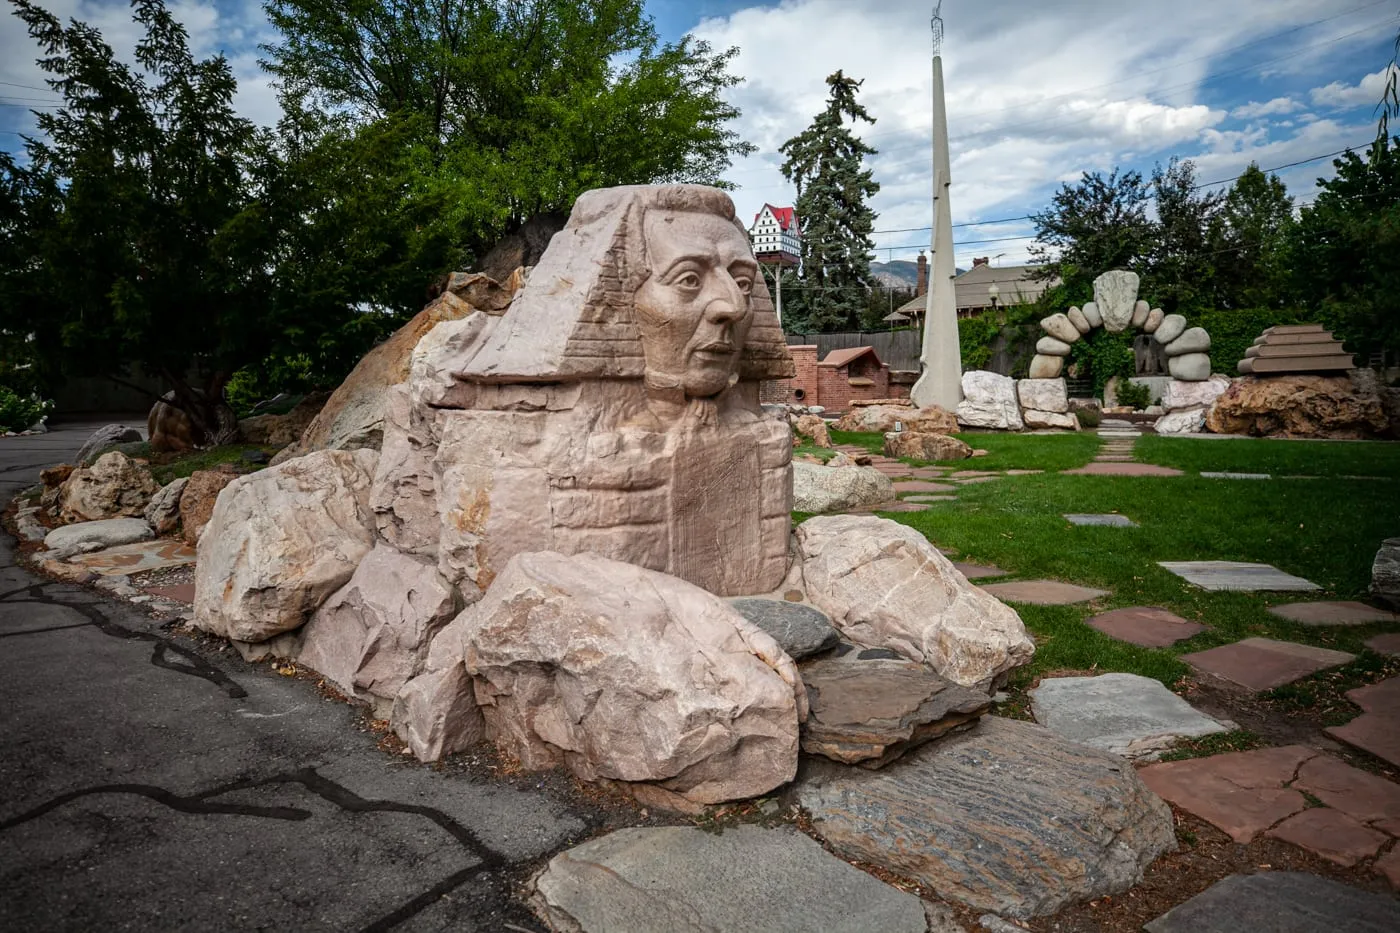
{"x":1090,"y":227}
{"x":123,"y":206}
{"x":1179,"y":272}
{"x":518,"y":107}
{"x":1342,"y":253}
{"x":825,"y":163}
{"x":1247,"y":236}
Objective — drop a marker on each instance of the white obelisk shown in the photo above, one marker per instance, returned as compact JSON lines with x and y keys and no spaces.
{"x":940,"y":382}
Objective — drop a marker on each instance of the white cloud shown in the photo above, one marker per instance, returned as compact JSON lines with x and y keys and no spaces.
{"x":1255,"y":109}
{"x":1365,"y":92}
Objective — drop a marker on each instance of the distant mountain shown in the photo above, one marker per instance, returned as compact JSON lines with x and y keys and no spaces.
{"x":900,"y":273}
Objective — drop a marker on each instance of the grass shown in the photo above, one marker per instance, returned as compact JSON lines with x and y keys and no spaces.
{"x":167,"y":468}
{"x":1004,"y":451}
{"x":1325,"y":532}
{"x":1238,"y":740}
{"x":1276,"y":457}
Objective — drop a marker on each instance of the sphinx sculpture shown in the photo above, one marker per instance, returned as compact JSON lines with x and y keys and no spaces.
{"x":614,"y":409}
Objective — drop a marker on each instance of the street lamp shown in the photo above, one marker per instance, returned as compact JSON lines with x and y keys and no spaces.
{"x":993,"y":293}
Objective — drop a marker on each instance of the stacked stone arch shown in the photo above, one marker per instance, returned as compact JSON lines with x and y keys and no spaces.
{"x":1116,"y":308}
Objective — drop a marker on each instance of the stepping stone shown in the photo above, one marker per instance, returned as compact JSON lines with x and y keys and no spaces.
{"x":970,"y":474}
{"x":1240,"y":793}
{"x":1043,"y":592}
{"x":800,"y":630}
{"x":1389,"y":865}
{"x":1123,"y":469}
{"x":871,"y":712}
{"x":1359,"y":794}
{"x":1385,"y":644}
{"x":1281,"y":902}
{"x":896,"y":506}
{"x":976,"y":479}
{"x":930,"y":498}
{"x":683,"y":878}
{"x":1146,"y":626}
{"x":977,"y":571}
{"x":1006,"y":817}
{"x":1023,"y":472}
{"x":922,"y":485}
{"x":926,"y":473}
{"x":1125,"y":714}
{"x":1107,"y":520}
{"x":1112,"y":458}
{"x":1333,"y":613}
{"x":180,"y":592}
{"x":124,"y":559}
{"x":1236,"y":575}
{"x":1235,"y":475}
{"x":1330,"y":834}
{"x":1264,"y":663}
{"x":1377,"y":730}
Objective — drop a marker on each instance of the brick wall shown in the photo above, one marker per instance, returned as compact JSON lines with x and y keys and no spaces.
{"x":784,"y":391}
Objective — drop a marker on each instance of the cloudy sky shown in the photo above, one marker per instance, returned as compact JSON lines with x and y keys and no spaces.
{"x":1036,"y":92}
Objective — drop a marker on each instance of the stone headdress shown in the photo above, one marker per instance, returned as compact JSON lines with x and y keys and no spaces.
{"x":575,"y":319}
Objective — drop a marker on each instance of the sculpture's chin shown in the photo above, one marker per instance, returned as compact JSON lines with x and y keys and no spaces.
{"x":706,"y":383}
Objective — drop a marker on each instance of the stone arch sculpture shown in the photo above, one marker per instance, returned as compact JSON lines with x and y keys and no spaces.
{"x":1116,"y":308}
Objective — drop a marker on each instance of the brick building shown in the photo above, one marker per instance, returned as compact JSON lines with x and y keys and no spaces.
{"x":855,"y":373}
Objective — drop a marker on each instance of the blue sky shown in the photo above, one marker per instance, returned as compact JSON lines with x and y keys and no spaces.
{"x":1036,"y":92}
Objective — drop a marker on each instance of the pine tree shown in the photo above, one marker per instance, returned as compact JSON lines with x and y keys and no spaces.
{"x":824,"y":161}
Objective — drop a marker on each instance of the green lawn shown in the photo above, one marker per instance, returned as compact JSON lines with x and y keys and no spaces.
{"x":1004,"y":451}
{"x":1326,"y":531}
{"x":1276,"y":457}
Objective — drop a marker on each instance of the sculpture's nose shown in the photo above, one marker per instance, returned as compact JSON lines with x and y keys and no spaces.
{"x":722,"y":311}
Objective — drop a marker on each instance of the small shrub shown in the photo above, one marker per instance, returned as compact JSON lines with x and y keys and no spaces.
{"x":1134,"y":395}
{"x":1089,"y":417}
{"x":18,"y":412}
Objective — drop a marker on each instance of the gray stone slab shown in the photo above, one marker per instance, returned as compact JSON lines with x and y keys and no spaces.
{"x":800,"y":630}
{"x":687,"y":880}
{"x":1228,"y":475}
{"x":1128,"y":715}
{"x":1236,"y":575}
{"x":1281,"y":902}
{"x":1107,"y":520}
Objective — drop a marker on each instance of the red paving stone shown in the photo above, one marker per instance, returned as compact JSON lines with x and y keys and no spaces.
{"x":1377,"y":730}
{"x":968,"y":481}
{"x":1023,"y":472}
{"x":1389,"y":866}
{"x":180,"y":592}
{"x":1241,"y":793}
{"x":1332,"y":613}
{"x":923,"y":485}
{"x":969,"y":474}
{"x":1145,"y":625}
{"x":1264,"y":663}
{"x":1357,"y":793}
{"x":1385,"y":644}
{"x":1123,"y":469}
{"x":1331,"y":834}
{"x":1043,"y":592}
{"x":978,"y":571}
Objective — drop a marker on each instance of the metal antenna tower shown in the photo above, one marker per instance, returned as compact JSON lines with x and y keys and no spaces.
{"x":936,"y":23}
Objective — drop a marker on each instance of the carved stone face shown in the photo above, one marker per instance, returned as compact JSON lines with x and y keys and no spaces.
{"x":693,"y":311}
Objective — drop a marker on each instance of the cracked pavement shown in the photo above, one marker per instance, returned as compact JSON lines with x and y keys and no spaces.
{"x":151,"y":786}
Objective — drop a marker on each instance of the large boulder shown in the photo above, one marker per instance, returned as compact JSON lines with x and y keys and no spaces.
{"x":163,"y":511}
{"x":373,"y":634}
{"x":885,"y":586}
{"x":818,"y":488}
{"x":109,"y":435}
{"x":989,"y":401}
{"x":1385,"y":573}
{"x":114,"y":487}
{"x":1299,"y":406}
{"x":1043,"y":394}
{"x":95,"y":536}
{"x":922,"y":446}
{"x":1181,"y":394}
{"x":281,"y":430}
{"x":814,"y":427}
{"x":1006,"y":817}
{"x":168,"y":428}
{"x":282,"y":540}
{"x":404,"y":494}
{"x":1115,"y":296}
{"x":1182,"y":421}
{"x":197,"y":501}
{"x":353,"y":417}
{"x":626,"y":674}
{"x":880,"y":419}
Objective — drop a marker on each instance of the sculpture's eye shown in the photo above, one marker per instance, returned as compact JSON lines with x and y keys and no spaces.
{"x":689,"y":281}
{"x":744,"y":282}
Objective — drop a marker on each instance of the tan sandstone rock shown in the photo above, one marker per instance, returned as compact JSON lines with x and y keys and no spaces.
{"x":115,"y":486}
{"x":373,"y":634}
{"x":925,"y":446}
{"x":163,"y":511}
{"x":817,"y":488}
{"x":404,"y":495}
{"x":885,"y":586}
{"x":168,"y":428}
{"x":881,"y":419}
{"x":197,"y":501}
{"x":625,"y":674}
{"x":814,"y":427}
{"x":436,"y":713}
{"x":282,"y":430}
{"x":1298,"y":406}
{"x":282,"y":540}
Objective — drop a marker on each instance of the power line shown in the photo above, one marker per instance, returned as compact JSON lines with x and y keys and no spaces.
{"x":32,"y":87}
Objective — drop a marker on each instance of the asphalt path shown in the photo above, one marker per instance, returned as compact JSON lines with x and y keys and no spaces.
{"x":151,"y":784}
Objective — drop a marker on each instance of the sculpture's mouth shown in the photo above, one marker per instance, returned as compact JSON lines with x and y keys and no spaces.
{"x":716,"y":348}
